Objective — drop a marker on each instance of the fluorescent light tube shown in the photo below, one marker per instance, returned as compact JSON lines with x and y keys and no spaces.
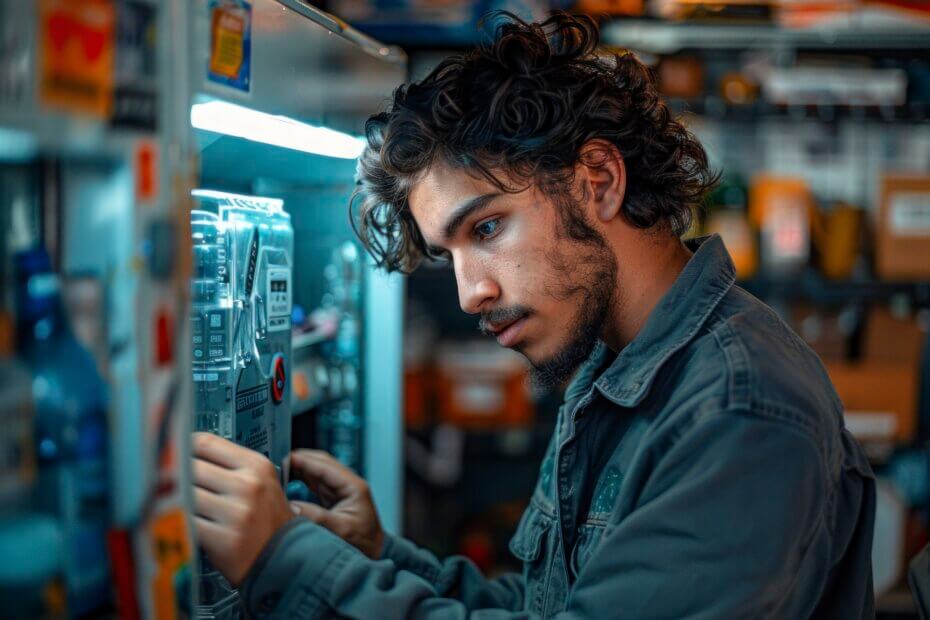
{"x":275,"y":204}
{"x":17,"y":145}
{"x":235,"y":120}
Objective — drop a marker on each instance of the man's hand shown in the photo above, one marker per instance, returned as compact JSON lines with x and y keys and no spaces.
{"x":238,"y":504}
{"x":348,"y":510}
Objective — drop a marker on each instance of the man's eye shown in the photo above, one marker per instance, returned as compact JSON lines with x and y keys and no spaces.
{"x":488,"y":228}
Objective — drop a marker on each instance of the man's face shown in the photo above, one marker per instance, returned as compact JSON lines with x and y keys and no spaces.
{"x":519,"y":264}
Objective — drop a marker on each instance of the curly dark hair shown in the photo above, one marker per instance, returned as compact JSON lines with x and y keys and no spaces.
{"x":524,"y":105}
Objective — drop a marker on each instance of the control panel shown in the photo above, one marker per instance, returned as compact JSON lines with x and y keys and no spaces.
{"x":240,"y":338}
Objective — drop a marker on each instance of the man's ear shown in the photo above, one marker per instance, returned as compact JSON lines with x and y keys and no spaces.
{"x":605,"y":174}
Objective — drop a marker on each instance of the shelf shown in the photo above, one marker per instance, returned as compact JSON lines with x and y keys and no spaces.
{"x":309,"y":339}
{"x":660,"y":37}
{"x":715,"y":108}
{"x":811,"y":286}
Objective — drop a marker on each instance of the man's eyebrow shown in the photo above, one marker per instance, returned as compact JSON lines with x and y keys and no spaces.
{"x":461,"y":213}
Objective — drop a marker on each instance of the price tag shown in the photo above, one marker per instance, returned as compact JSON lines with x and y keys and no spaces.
{"x":909,"y":214}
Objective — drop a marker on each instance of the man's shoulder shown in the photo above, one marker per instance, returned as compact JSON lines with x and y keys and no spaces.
{"x":747,"y":360}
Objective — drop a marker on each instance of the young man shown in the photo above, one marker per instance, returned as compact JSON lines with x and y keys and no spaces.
{"x":699,"y":468}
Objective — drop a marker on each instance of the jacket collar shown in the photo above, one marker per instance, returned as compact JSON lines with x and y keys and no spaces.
{"x":673,"y":323}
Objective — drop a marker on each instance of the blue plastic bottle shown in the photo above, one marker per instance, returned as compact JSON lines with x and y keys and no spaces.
{"x":71,"y":433}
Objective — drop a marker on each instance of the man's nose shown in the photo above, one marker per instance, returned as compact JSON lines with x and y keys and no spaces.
{"x":477,"y":290}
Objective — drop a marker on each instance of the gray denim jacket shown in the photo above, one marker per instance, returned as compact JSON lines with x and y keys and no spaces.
{"x":704,"y":472}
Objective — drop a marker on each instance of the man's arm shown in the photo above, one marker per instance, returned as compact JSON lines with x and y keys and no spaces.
{"x":310,"y":572}
{"x":349,"y":512}
{"x":245,"y":525}
{"x":457,"y":577}
{"x":730,"y":524}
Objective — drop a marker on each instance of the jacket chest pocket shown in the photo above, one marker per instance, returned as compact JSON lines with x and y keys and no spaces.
{"x":588,"y":540}
{"x":533,"y":544}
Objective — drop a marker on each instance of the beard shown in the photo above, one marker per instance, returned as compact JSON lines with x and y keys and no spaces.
{"x":586,"y":258}
{"x":594,"y":292}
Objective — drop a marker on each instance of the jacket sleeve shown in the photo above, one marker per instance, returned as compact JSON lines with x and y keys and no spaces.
{"x":456,"y":577}
{"x":729,"y":525}
{"x":308,"y":572}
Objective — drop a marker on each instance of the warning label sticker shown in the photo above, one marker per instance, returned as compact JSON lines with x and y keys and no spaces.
{"x":909,"y":215}
{"x":230,"y":43}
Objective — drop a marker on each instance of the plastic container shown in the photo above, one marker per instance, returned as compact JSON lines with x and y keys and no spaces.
{"x":71,"y":430}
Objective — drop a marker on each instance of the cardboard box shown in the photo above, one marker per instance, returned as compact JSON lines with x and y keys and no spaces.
{"x":902,"y":249}
{"x":418,"y":394}
{"x":824,"y":331}
{"x":482,"y":387}
{"x":880,"y":399}
{"x":893,"y":339}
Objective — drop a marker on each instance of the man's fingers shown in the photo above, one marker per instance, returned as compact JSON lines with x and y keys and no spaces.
{"x":209,"y":534}
{"x":213,"y":477}
{"x":315,"y":513}
{"x":318,"y":468}
{"x":212,"y":506}
{"x":219,"y":451}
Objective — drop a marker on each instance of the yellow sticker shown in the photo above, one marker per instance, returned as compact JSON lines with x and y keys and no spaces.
{"x":230,"y":43}
{"x":172,"y":552}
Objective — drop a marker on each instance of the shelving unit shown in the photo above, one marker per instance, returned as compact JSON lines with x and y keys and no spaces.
{"x":716,"y":108}
{"x":661,"y":37}
{"x":811,"y":286}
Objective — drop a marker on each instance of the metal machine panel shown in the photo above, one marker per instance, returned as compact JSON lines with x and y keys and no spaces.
{"x":310,"y":67}
{"x":240,"y":337}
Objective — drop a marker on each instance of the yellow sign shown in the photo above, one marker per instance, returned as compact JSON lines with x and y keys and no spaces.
{"x":230,"y":43}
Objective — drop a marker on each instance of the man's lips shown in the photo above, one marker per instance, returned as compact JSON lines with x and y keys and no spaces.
{"x":508,"y":334}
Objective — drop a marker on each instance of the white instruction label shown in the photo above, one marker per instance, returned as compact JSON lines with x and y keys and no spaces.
{"x":909,"y":214}
{"x":278,"y":290}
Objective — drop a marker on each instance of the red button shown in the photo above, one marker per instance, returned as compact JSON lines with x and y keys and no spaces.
{"x":278,"y":379}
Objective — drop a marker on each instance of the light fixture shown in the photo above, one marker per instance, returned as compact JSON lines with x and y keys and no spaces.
{"x":235,"y":120}
{"x":239,"y":200}
{"x":17,"y":145}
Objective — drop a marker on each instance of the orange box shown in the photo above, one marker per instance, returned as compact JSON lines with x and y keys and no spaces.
{"x":781,"y":209}
{"x":681,"y":76}
{"x":822,"y":330}
{"x":418,"y":387}
{"x":889,"y":338}
{"x":482,"y":387}
{"x":902,"y":248}
{"x":611,"y":7}
{"x":880,"y":398}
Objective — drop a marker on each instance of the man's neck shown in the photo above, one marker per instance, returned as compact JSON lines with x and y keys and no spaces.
{"x":645,"y":273}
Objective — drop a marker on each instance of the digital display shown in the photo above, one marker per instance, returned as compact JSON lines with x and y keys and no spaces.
{"x":279,"y":286}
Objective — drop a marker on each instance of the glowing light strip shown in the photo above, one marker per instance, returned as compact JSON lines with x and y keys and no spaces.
{"x":212,"y":194}
{"x":235,"y":120}
{"x":17,"y":145}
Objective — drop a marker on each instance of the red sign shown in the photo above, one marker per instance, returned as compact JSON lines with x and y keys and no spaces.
{"x":146,"y":171}
{"x":77,"y":40}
